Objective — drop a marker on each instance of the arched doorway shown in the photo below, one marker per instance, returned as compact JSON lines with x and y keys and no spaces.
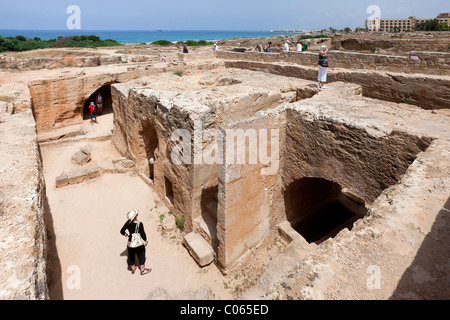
{"x":318,"y":209}
{"x":105,"y":92}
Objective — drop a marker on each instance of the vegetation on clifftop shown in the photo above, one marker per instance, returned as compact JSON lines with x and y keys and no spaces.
{"x":432,"y":25}
{"x":21,"y":43}
{"x":190,"y":43}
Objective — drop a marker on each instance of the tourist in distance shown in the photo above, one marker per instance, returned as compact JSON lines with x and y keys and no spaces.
{"x":93,"y":113}
{"x":215,"y":47}
{"x":185,"y":48}
{"x":323,"y":66}
{"x":100,"y":103}
{"x":163,"y":59}
{"x":269,"y":47}
{"x":299,"y":47}
{"x":259,"y":47}
{"x":286,"y":46}
{"x":137,"y":241}
{"x":304,"y":45}
{"x":151,"y":161}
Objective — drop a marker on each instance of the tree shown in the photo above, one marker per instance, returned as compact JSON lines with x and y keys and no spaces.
{"x":347,"y":30}
{"x":432,"y":25}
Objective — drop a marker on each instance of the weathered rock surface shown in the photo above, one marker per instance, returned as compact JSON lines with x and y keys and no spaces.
{"x":200,"y":250}
{"x":22,"y":211}
{"x":82,"y":157}
{"x":169,"y":223}
{"x":159,"y":294}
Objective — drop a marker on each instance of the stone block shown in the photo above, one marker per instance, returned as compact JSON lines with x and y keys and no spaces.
{"x":169,"y":223}
{"x":62,"y":180}
{"x":127,"y":163}
{"x":199,"y":249}
{"x":93,"y":172}
{"x":108,"y":167}
{"x":118,"y":160}
{"x":82,"y":157}
{"x":76,"y":176}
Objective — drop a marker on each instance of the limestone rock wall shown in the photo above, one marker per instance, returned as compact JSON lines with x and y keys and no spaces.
{"x":434,"y":63}
{"x":249,"y":208}
{"x":22,"y":210}
{"x":59,"y":102}
{"x":37,"y":63}
{"x":364,"y":163}
{"x":427,"y":92}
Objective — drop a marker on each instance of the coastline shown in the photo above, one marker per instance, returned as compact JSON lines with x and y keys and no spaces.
{"x":145,"y":36}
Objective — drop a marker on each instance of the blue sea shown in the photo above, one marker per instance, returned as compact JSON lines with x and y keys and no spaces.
{"x":142,"y":36}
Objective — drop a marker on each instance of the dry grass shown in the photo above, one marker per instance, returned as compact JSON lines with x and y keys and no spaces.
{"x":7,"y":99}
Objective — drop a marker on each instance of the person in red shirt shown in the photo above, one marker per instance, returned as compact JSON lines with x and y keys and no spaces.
{"x":93,"y":113}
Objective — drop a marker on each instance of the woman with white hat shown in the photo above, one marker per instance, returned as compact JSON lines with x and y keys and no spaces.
{"x":323,"y":66}
{"x":137,"y":241}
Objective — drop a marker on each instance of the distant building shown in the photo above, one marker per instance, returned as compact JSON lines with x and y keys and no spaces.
{"x":401,"y":25}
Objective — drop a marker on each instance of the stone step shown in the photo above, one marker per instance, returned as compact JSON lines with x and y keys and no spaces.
{"x":199,"y":249}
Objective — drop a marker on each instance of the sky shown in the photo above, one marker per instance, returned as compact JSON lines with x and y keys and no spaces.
{"x":249,"y":15}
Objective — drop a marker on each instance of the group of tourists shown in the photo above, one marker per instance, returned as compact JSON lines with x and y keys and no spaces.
{"x":96,"y":108}
{"x":214,"y":48}
{"x":302,"y":46}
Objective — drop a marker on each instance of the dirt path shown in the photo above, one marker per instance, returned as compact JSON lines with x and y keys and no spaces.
{"x":87,"y":218}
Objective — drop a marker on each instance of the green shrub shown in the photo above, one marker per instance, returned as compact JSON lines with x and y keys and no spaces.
{"x":162,"y":42}
{"x":178,"y":73}
{"x":179,"y":221}
{"x":317,"y":36}
{"x":193,"y":43}
{"x":21,"y":43}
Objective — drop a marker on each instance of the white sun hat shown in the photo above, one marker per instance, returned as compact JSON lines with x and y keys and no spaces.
{"x":132,"y":214}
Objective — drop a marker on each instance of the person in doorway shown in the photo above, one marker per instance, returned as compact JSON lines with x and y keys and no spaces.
{"x":134,"y":226}
{"x":93,"y":113}
{"x":151,"y":162}
{"x":100,"y":103}
{"x":323,"y":66}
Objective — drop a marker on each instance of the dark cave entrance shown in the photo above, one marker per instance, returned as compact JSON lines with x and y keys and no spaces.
{"x":105,"y":92}
{"x":318,"y":209}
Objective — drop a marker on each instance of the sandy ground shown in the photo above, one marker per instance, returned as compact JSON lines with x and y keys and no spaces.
{"x":90,"y":257}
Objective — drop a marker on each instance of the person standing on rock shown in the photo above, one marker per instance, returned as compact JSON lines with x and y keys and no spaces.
{"x":135,"y":248}
{"x":93,"y":113}
{"x":323,"y":66}
{"x":99,"y":103}
{"x":305,"y":46}
{"x":286,"y":46}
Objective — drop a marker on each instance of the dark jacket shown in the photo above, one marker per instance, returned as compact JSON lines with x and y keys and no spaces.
{"x":131,"y":227}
